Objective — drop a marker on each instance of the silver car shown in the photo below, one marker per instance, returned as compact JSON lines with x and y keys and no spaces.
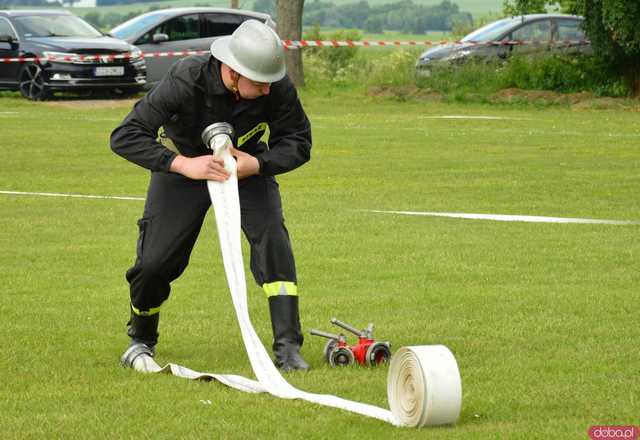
{"x":556,"y":33}
{"x":180,"y":29}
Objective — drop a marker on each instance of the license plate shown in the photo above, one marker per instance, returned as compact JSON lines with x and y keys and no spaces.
{"x":109,"y":71}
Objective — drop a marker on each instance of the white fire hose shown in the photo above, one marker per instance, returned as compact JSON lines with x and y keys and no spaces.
{"x":423,"y":384}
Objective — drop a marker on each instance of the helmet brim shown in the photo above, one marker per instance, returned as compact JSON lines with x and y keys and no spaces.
{"x":220,"y":50}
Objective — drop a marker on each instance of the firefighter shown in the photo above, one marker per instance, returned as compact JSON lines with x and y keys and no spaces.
{"x":243,"y":82}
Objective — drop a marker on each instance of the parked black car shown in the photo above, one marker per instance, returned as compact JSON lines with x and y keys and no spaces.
{"x":553,"y":33}
{"x":61,"y":52}
{"x":180,"y":29}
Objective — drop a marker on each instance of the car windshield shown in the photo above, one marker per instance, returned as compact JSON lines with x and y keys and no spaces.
{"x":137,"y":26}
{"x":492,"y":31}
{"x":31,"y":26}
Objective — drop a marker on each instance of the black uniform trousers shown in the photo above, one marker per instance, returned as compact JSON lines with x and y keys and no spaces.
{"x":173,"y":215}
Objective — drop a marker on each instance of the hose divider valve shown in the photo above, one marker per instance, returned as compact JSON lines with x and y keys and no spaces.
{"x":367,"y":351}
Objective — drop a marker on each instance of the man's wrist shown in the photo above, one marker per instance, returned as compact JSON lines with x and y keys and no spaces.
{"x":177,"y":165}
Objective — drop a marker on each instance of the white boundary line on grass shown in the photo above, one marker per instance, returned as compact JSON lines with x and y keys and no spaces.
{"x":511,"y":218}
{"x":492,"y":118}
{"x":77,"y":196}
{"x":494,"y":217}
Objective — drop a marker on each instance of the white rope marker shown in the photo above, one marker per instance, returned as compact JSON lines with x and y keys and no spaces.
{"x":424,"y":382}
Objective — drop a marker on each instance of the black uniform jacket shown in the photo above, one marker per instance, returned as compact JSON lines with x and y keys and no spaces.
{"x":192,"y":96}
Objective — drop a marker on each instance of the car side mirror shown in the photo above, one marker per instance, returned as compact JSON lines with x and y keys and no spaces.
{"x":11,"y":42}
{"x":160,"y":38}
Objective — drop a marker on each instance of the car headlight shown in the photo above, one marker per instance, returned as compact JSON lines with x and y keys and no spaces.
{"x":60,"y":57}
{"x":135,"y":53}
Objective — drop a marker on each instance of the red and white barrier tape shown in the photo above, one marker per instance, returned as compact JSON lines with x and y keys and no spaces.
{"x":292,"y":44}
{"x":102,"y":58}
{"x":288,"y":44}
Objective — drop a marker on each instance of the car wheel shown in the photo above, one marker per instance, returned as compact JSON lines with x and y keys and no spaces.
{"x":32,"y":83}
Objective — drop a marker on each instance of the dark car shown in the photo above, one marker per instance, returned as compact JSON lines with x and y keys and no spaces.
{"x":557,"y":33}
{"x":59,"y":51}
{"x":180,"y":29}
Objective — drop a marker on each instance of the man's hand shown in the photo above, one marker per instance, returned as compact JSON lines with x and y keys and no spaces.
{"x":205,"y":167}
{"x":247,"y":165}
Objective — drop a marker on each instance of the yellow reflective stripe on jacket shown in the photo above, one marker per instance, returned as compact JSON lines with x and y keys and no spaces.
{"x":262,"y":126}
{"x":280,"y":288}
{"x":151,"y":311}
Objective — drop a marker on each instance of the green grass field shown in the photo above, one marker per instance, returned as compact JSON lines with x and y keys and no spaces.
{"x":542,"y":318}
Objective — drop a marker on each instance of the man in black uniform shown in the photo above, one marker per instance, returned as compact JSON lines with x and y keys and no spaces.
{"x":242,"y":83}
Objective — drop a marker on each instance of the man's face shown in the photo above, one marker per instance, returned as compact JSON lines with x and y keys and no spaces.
{"x":251,"y":89}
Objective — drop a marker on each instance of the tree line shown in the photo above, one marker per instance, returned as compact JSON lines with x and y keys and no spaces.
{"x":404,"y":16}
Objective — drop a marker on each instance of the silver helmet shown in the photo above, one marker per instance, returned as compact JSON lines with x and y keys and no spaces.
{"x":254,"y":50}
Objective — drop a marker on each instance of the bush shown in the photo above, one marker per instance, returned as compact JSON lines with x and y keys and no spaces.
{"x":333,"y":60}
{"x":395,"y":68}
{"x":567,"y":74}
{"x":330,"y":68}
{"x":612,"y":27}
{"x":562,"y":74}
{"x":473,"y":80}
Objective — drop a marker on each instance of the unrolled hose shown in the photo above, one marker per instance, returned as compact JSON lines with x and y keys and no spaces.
{"x":423,"y":384}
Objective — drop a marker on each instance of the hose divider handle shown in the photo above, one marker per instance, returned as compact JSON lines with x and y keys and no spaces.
{"x":347,"y":327}
{"x":327,"y":335}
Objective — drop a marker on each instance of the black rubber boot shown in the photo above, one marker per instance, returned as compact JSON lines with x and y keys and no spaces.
{"x":144,"y":329}
{"x":287,"y":336}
